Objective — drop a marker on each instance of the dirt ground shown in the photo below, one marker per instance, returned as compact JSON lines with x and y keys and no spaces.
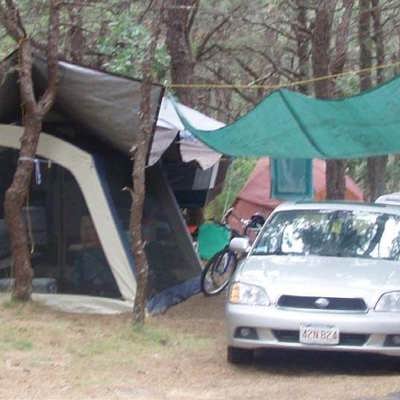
{"x":179,"y":355}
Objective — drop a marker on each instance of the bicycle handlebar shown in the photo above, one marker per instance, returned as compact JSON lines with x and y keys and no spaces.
{"x":229,"y":213}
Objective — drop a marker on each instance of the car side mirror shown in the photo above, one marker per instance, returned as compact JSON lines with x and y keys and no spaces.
{"x":240,"y":245}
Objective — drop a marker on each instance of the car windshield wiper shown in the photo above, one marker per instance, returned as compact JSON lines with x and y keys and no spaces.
{"x":265,"y":253}
{"x":274,"y":253}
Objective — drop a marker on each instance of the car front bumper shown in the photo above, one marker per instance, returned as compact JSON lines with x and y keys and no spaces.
{"x":273,"y":327}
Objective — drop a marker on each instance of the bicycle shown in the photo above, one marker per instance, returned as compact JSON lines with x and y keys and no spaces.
{"x":218,"y":271}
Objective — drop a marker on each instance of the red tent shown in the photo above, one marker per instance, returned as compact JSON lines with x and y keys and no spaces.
{"x":255,"y":194}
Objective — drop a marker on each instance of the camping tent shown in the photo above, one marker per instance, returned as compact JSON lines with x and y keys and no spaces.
{"x":195,"y":172}
{"x":255,"y":195}
{"x":169,"y":125}
{"x":79,"y":204}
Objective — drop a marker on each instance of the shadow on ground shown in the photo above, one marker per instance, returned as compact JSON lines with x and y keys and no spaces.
{"x":297,"y":362}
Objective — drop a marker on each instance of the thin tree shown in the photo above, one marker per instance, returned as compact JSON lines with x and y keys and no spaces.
{"x":180,"y":15}
{"x":33,"y":113}
{"x":139,"y":155}
{"x":376,"y":166}
{"x":324,"y":64}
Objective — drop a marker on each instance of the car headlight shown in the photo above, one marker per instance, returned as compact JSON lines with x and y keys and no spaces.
{"x":389,"y":302}
{"x":252,"y":295}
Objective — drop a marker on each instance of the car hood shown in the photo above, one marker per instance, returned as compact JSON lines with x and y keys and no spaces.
{"x":322,"y":276}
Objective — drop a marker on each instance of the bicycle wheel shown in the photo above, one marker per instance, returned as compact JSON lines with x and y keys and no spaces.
{"x":218,"y":272}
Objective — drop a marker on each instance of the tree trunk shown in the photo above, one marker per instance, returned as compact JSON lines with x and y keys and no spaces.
{"x":15,"y":199}
{"x":321,"y":38}
{"x":376,"y":166}
{"x":138,"y":179}
{"x":139,"y":155}
{"x":75,"y":33}
{"x":336,"y":184}
{"x":179,"y":14}
{"x":302,"y":43}
{"x":33,"y":113}
{"x":364,"y":38}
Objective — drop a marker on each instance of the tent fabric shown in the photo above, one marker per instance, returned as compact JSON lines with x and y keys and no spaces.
{"x":255,"y":195}
{"x":169,"y":124}
{"x":291,"y":179}
{"x":106,"y":105}
{"x":174,"y":267}
{"x":287,"y":124}
{"x":81,"y":164}
{"x":91,"y":129}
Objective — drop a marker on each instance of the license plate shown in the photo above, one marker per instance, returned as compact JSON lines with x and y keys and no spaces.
{"x":323,"y":335}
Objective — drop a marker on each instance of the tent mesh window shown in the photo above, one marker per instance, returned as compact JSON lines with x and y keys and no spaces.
{"x":65,"y":247}
{"x":168,"y":246}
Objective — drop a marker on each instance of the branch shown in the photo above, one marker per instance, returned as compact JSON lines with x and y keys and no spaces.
{"x":48,"y":97}
{"x":11,"y":20}
{"x":341,"y":39}
{"x":147,"y":9}
{"x":273,"y":29}
{"x":192,"y":16}
{"x":201,"y":48}
{"x":28,"y":100}
{"x":281,"y":70}
{"x":222,"y":77}
{"x":244,"y":65}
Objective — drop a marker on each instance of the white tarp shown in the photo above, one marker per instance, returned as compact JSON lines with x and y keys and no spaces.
{"x":169,"y":125}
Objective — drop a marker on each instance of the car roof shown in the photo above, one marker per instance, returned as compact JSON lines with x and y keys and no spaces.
{"x":339,"y":205}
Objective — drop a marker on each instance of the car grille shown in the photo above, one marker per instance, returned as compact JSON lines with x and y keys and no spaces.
{"x":345,"y":339}
{"x":335,"y":303}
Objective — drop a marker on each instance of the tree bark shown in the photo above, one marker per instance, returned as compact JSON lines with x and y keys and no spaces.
{"x":342,"y":43}
{"x":33,"y":113}
{"x":336,"y":169}
{"x":364,"y":38}
{"x":139,"y":155}
{"x":179,"y":15}
{"x":15,"y":199}
{"x":75,"y":33}
{"x":376,"y":166}
{"x":321,"y":39}
{"x":302,"y":43}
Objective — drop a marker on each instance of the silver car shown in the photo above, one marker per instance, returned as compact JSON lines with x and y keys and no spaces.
{"x":320,"y":276}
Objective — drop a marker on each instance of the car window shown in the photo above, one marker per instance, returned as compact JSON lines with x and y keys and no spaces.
{"x":336,"y":233}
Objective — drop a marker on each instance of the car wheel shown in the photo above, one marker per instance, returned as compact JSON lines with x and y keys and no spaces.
{"x":236,"y":355}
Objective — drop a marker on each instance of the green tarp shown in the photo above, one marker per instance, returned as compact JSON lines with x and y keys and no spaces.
{"x":212,"y":238}
{"x":287,"y":124}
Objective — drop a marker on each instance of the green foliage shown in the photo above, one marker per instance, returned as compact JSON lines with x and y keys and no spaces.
{"x":7,"y":45}
{"x":393,"y":174}
{"x":357,"y":169}
{"x":126,"y":44}
{"x":237,"y":175}
{"x":348,"y":85}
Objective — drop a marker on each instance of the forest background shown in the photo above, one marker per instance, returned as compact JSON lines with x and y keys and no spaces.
{"x":262,"y":42}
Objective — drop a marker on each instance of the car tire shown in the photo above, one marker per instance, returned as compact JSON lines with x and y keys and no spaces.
{"x":236,"y":355}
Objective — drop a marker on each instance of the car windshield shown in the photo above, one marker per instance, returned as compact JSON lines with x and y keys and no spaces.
{"x":334,"y":233}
